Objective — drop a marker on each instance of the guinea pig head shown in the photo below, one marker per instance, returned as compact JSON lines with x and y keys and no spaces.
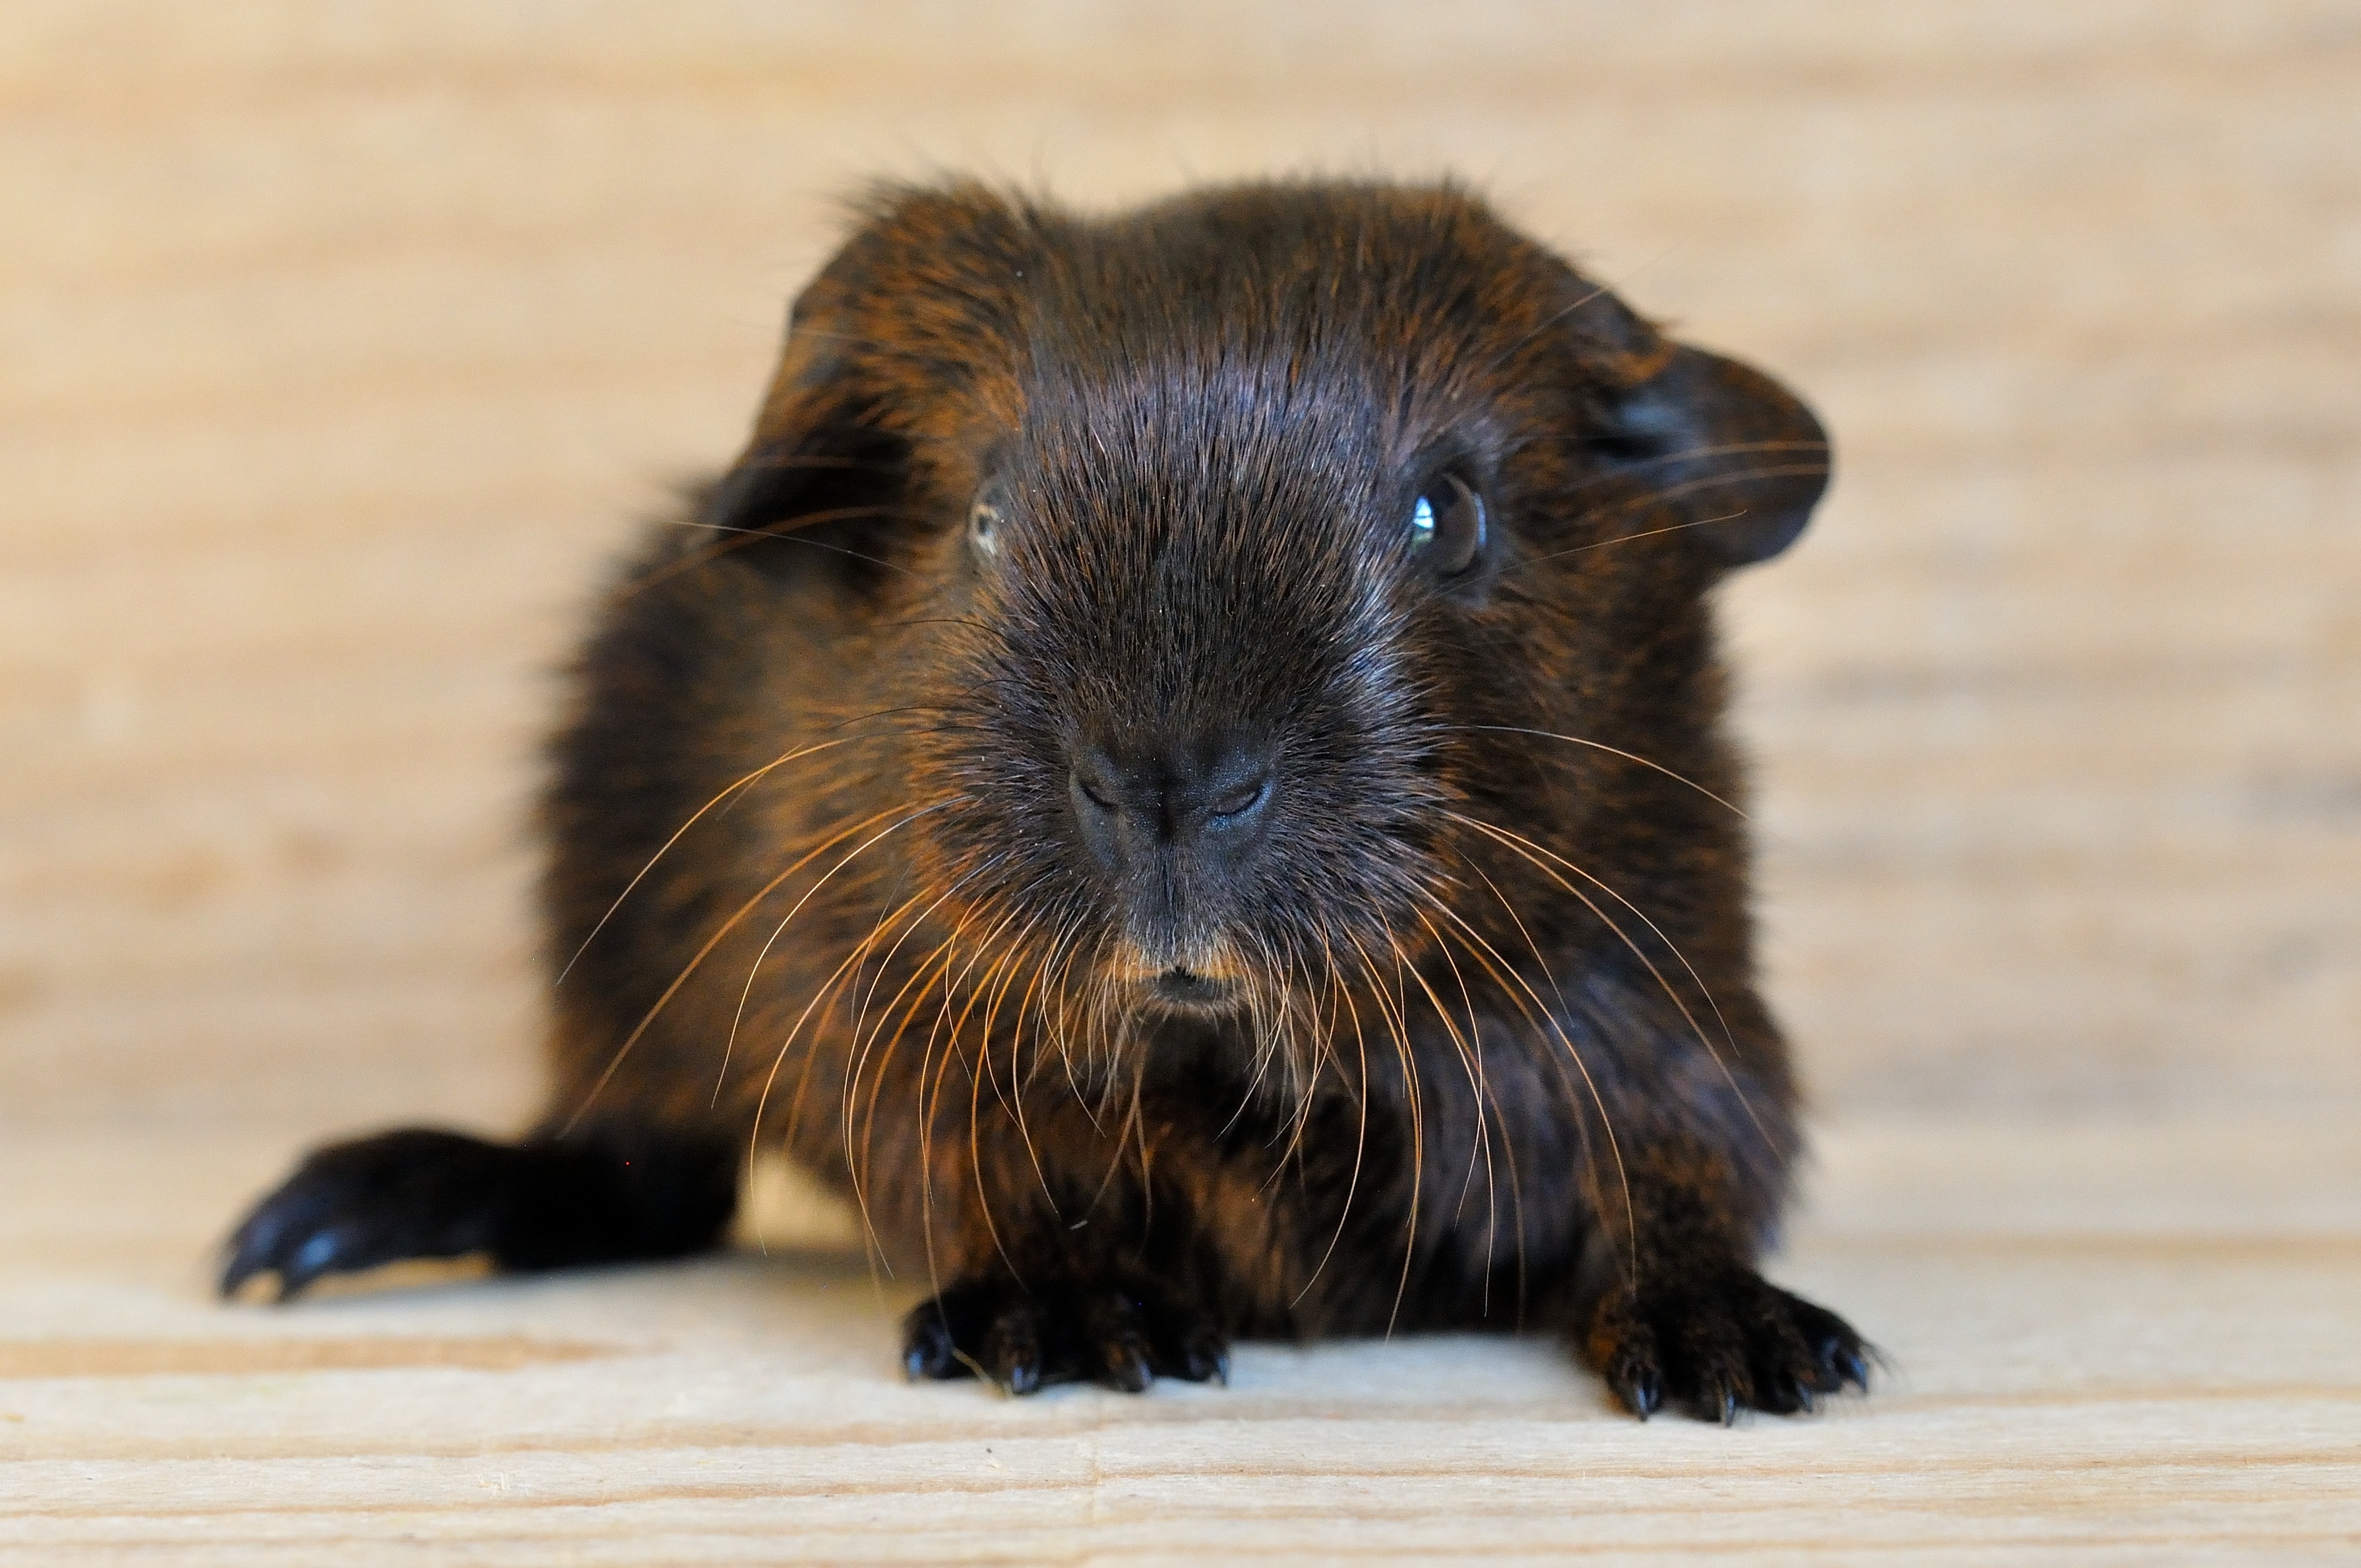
{"x":1238,"y":547}
{"x":1190,"y":653}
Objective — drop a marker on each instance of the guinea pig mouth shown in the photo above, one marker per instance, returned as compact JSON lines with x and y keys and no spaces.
{"x":1180,"y":987}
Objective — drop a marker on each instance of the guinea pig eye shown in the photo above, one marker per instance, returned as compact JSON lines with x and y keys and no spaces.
{"x":984,"y":520}
{"x":1446,"y":525}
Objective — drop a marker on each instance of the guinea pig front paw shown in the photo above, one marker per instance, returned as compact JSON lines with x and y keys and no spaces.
{"x":1120,"y":1331}
{"x":1732,"y":1341}
{"x":415,"y":1194}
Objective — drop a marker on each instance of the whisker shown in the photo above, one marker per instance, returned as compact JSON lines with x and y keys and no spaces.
{"x":780,"y":929}
{"x":1602,"y":745}
{"x":1397,"y":1026}
{"x":727,"y":925}
{"x":1663,"y":493}
{"x":823,"y":1001}
{"x":865,"y":1043}
{"x":829,"y":988}
{"x":1729,"y":1075}
{"x":1515,"y":566}
{"x":1486,"y":1108}
{"x":726,"y":790}
{"x":1014,"y":1103}
{"x":932,"y":973}
{"x":1469,"y":1063}
{"x":975,"y":1089}
{"x":1508,"y":971}
{"x":785,"y":531}
{"x":849,"y":967}
{"x":1361,"y":1131}
{"x":859,"y":952}
{"x":1494,"y":964}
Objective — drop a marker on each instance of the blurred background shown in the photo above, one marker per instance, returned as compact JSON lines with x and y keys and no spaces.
{"x":341,"y":345}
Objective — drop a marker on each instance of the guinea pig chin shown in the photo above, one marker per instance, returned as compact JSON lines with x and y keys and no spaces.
{"x":1195,"y":974}
{"x":1158,"y":926}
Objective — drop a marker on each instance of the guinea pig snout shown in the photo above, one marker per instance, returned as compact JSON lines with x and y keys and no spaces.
{"x":1149,"y":809}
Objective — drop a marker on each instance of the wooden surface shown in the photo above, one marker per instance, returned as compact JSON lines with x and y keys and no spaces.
{"x":2102,"y":1348}
{"x":340,"y":345}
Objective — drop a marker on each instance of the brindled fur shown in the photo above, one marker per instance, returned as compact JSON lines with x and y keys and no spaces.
{"x":1490,"y":1050}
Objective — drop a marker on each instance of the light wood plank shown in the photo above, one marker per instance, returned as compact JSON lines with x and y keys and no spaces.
{"x":2105,"y":1344}
{"x":342,"y":352}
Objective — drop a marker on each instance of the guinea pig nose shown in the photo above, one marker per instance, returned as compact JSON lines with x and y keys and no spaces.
{"x":1094,"y":786}
{"x":1142,"y":800}
{"x":1227,"y":785}
{"x":1234,"y":806}
{"x":1096,"y":789}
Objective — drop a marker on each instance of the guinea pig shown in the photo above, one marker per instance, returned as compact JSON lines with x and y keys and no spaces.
{"x":1183,"y":771}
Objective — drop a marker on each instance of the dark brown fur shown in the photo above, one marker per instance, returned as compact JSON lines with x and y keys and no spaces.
{"x":832,"y":872}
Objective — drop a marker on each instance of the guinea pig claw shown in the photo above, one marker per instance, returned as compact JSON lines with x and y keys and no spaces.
{"x":1126,"y":1367}
{"x":930,"y":1352}
{"x":248,"y":1254}
{"x":1838,"y":1351}
{"x":1720,"y":1343}
{"x":1018,"y":1378}
{"x":322,"y":1252}
{"x":1205,"y":1362}
{"x":1644,"y":1392}
{"x":1015,"y":1356}
{"x":1119,"y":1331}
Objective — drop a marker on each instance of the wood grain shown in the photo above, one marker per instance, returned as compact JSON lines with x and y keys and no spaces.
{"x":2129,"y":1345}
{"x":342,"y":350}
{"x":339,"y":347}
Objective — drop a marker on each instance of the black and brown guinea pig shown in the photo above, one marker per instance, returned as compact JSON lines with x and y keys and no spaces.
{"x":1182,"y":772}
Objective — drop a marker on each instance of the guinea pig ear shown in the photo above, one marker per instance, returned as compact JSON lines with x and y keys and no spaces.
{"x":846,"y":474}
{"x":818,"y":458}
{"x":883,"y":351}
{"x":1735,"y":453}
